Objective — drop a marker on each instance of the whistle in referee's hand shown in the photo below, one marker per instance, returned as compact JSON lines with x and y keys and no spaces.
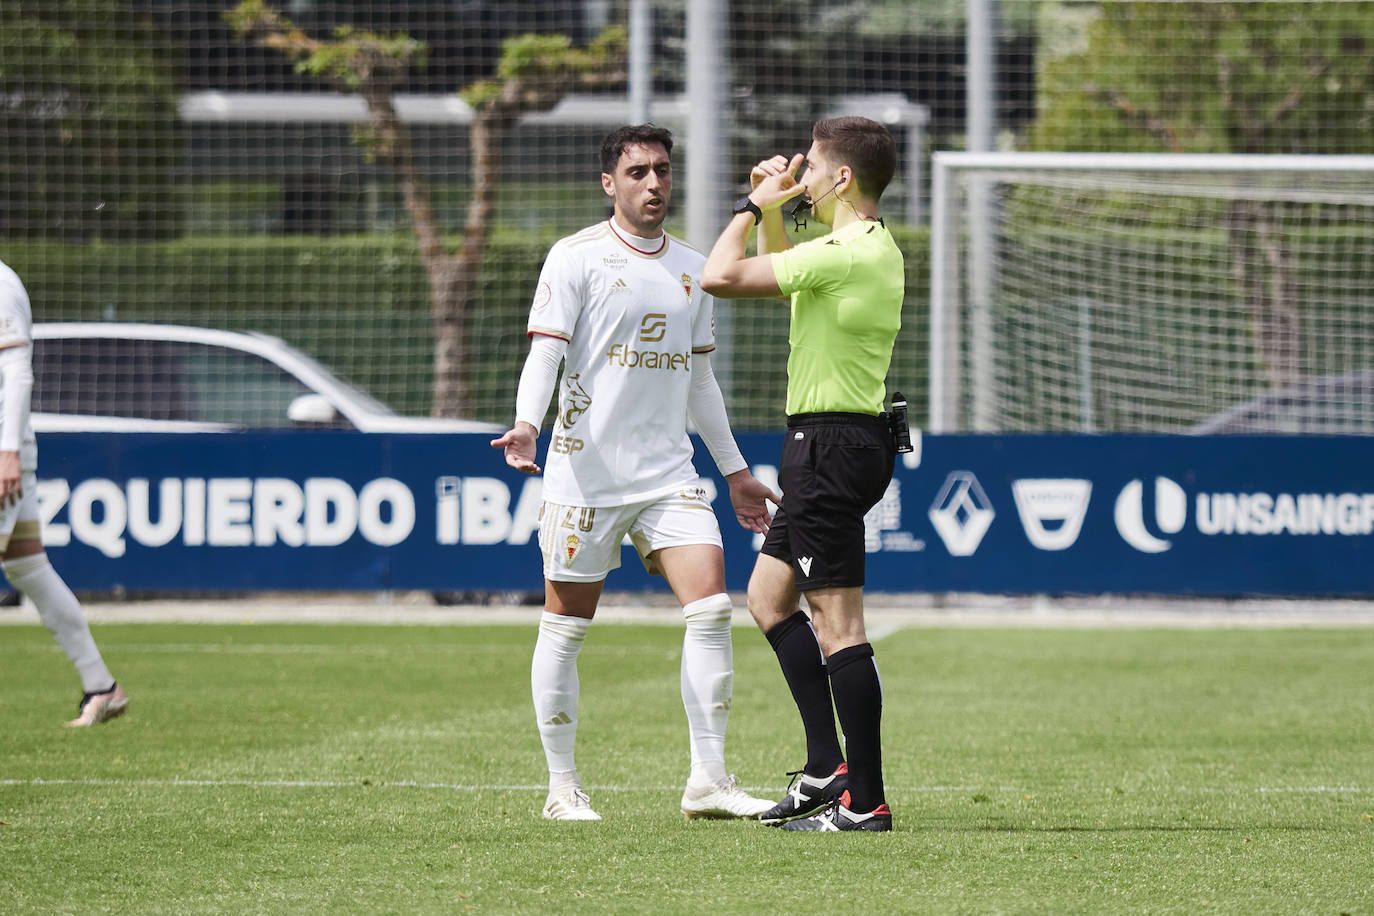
{"x":896,"y":420}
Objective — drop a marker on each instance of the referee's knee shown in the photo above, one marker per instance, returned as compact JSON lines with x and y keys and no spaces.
{"x":771,"y":597}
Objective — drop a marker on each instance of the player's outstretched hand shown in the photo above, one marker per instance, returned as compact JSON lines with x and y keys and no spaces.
{"x":11,"y":478}
{"x":519,"y":443}
{"x":750,"y":498}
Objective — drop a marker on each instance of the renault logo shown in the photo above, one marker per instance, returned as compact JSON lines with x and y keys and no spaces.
{"x":961,"y":513}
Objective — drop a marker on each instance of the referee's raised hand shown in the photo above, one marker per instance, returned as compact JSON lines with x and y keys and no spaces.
{"x":776,"y":186}
{"x":774,"y":166}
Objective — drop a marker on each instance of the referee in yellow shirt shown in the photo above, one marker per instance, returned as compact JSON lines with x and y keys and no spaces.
{"x":846,"y":291}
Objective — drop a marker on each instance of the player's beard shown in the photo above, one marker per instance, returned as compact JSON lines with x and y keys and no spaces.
{"x":649,"y":223}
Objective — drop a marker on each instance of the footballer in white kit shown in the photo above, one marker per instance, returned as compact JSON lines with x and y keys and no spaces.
{"x":633,"y":315}
{"x":619,"y":306}
{"x":25,"y":563}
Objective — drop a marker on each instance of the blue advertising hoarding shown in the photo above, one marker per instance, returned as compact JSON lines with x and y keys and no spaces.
{"x":1016,"y":514}
{"x":1225,"y":515}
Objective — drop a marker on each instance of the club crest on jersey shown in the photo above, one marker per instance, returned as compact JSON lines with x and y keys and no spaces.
{"x":687,"y":285}
{"x":571,"y":548}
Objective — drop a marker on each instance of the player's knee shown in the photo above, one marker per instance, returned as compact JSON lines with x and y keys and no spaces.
{"x":713,"y":610}
{"x":20,"y":570}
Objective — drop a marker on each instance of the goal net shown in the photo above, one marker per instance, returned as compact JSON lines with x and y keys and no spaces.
{"x":1169,"y":293}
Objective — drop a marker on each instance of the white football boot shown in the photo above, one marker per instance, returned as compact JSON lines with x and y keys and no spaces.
{"x":724,"y":799}
{"x":569,"y":804}
{"x":100,"y":707}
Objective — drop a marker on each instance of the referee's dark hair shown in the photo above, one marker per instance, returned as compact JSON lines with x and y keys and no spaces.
{"x":631,"y":135}
{"x":863,"y":145}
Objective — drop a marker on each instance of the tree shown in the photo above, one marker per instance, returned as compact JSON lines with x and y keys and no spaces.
{"x":534,"y":73}
{"x":1222,"y":77}
{"x":88,"y":123}
{"x":1214,"y":77}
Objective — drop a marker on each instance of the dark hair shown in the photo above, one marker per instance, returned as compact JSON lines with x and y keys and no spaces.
{"x":631,"y":135}
{"x":863,"y":145}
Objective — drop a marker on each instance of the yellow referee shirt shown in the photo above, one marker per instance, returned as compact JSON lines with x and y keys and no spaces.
{"x":847,"y":289}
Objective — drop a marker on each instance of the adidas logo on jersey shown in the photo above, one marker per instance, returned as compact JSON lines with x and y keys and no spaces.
{"x":620,"y":286}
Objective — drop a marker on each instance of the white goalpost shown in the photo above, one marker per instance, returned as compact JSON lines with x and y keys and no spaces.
{"x":1159,"y":293}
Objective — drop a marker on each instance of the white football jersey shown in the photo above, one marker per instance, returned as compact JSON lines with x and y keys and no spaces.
{"x":632,"y":320}
{"x":16,"y":328}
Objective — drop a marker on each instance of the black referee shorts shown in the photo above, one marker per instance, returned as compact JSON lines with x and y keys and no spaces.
{"x":835,"y":467}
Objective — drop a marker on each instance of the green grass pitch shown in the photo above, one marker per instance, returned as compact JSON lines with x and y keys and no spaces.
{"x":356,"y":769}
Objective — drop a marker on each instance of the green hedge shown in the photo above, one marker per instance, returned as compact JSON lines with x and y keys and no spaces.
{"x":361,"y":305}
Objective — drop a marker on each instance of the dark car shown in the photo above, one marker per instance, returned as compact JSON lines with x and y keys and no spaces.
{"x":1327,"y":405}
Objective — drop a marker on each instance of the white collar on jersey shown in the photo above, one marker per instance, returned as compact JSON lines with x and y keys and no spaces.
{"x":643,"y":246}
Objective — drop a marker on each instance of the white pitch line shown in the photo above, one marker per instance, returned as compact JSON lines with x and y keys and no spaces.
{"x":289,"y":649}
{"x":880,"y":610}
{"x":464,"y":787}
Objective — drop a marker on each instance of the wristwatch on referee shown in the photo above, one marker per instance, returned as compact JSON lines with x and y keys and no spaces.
{"x":745,"y":205}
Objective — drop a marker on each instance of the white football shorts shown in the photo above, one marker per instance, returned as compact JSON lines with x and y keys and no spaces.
{"x":582,"y":544}
{"x":20,"y":520}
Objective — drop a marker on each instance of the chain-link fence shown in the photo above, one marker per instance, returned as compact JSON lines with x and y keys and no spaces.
{"x":291,"y":171}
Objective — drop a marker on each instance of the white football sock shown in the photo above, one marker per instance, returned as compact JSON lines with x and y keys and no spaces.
{"x":61,"y":614}
{"x":707,"y":683}
{"x":553,"y":683}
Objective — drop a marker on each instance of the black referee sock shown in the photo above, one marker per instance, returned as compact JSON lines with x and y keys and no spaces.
{"x":800,"y":657}
{"x":859,"y":702}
